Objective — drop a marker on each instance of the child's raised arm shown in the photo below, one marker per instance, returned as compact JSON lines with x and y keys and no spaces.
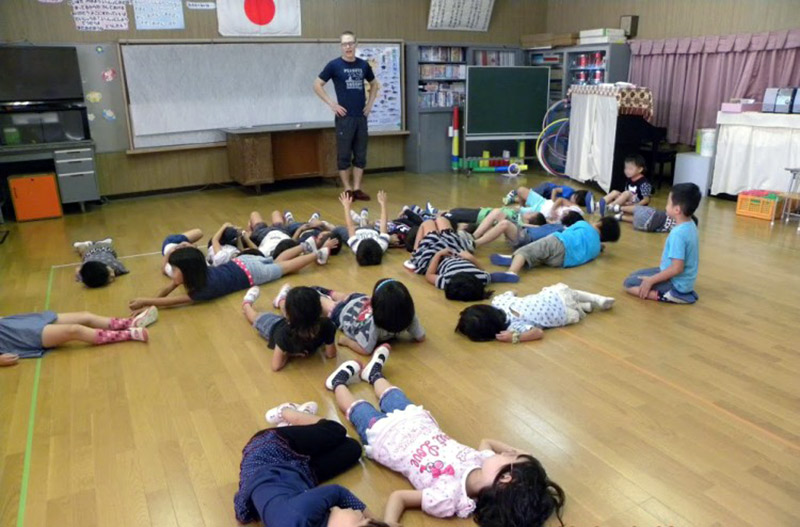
{"x":347,"y":202}
{"x":398,"y":502}
{"x":384,"y":217}
{"x":217,"y":235}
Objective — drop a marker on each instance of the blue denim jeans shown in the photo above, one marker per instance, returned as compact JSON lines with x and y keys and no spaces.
{"x":363,"y":415}
{"x":666,"y":293}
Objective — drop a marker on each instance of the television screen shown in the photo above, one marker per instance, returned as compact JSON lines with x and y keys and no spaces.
{"x":35,"y":73}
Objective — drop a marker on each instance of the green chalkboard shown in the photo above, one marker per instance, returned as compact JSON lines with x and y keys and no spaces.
{"x":506,"y":100}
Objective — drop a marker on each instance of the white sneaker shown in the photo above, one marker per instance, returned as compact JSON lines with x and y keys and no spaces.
{"x":308,"y":407}
{"x":108,"y":241}
{"x":364,"y":216}
{"x":309,"y":245}
{"x":378,"y":360}
{"x":276,"y":302}
{"x":322,"y":256}
{"x":288,"y":217}
{"x":252,"y":295}
{"x":82,"y":245}
{"x":313,"y":217}
{"x":355,"y":217}
{"x":408,"y":264}
{"x":347,"y":372}
{"x":145,"y":318}
{"x":274,"y":416}
{"x":618,"y":216}
{"x":139,"y":334}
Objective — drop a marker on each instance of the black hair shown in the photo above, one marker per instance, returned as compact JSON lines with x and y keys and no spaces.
{"x":284,"y":245}
{"x":192,"y":263}
{"x":304,"y":312}
{"x":336,"y":236}
{"x":466,"y":287}
{"x":369,"y":252}
{"x":230,"y":236}
{"x":571,"y":218}
{"x":481,"y":323}
{"x":411,"y":238}
{"x":636,"y":159}
{"x":94,"y":274}
{"x":392,"y":305}
{"x":609,"y":229}
{"x":686,"y":196}
{"x":695,"y":220}
{"x":521,"y":494}
{"x":539,"y":219}
{"x":580,"y":197}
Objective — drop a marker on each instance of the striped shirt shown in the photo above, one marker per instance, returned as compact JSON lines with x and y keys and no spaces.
{"x":449,"y":267}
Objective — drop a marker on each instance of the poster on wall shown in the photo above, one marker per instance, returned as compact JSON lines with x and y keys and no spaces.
{"x":387,"y":112}
{"x":201,"y":5}
{"x":158,"y":14}
{"x":100,"y":15}
{"x":460,"y":15}
{"x":259,"y":18}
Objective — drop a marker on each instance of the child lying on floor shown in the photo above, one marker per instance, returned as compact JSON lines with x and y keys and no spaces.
{"x":511,"y":318}
{"x":100,"y":264}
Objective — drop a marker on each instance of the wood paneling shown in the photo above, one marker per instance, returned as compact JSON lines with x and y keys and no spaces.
{"x":675,"y":18}
{"x":647,"y":415}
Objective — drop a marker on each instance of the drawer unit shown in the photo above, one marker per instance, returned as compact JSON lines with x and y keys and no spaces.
{"x":73,"y":153}
{"x":77,"y":181}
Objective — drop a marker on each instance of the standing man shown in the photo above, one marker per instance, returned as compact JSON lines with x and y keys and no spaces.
{"x":351,"y":108}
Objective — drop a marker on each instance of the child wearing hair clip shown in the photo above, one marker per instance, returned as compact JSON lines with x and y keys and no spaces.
{"x":514,"y":319}
{"x":367,"y":321}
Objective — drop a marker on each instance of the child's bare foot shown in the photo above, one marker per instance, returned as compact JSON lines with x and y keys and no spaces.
{"x":8,"y":359}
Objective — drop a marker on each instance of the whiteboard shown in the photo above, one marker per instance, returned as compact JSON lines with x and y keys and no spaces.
{"x":180,"y":94}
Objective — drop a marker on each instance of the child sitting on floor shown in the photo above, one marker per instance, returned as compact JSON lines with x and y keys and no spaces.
{"x":302,"y":329}
{"x":552,"y":191}
{"x":647,"y":219}
{"x":499,"y":484}
{"x":367,"y":321}
{"x":367,"y":243}
{"x":673,"y":281}
{"x":201,"y":282}
{"x":518,"y":319}
{"x":637,"y":191}
{"x":100,"y":263}
{"x":282,"y":470}
{"x":576,"y":245}
{"x":174,"y":241}
{"x":33,"y":334}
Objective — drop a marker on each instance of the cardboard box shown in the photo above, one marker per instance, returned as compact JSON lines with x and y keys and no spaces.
{"x":602,"y":32}
{"x":548,"y":40}
{"x":739,"y":107}
{"x":592,"y":41}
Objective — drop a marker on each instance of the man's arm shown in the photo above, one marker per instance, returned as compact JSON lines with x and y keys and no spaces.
{"x":319,"y":89}
{"x":374,"y":87}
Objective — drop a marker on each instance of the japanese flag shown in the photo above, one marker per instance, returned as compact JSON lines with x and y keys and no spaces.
{"x":258,"y":18}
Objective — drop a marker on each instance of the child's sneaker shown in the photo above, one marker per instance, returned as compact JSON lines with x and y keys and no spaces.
{"x":139,"y":334}
{"x":107,"y":241}
{"x":506,"y":277}
{"x":251,"y":295}
{"x":309,"y":245}
{"x":309,"y":407}
{"x":501,"y":259}
{"x":616,"y":208}
{"x":589,"y":203}
{"x":347,"y":373}
{"x":431,"y":209}
{"x":274,"y":416}
{"x":374,"y":368}
{"x":322,"y":255}
{"x":618,"y":216}
{"x":314,"y":217}
{"x":601,"y":207}
{"x":510,"y":198}
{"x":364,"y":216}
{"x":416,"y":209}
{"x":276,"y":302}
{"x":82,"y":246}
{"x":288,"y":217}
{"x":408,"y":264}
{"x":145,"y":318}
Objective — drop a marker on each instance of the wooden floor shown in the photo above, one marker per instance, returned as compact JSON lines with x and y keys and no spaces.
{"x":647,"y":415}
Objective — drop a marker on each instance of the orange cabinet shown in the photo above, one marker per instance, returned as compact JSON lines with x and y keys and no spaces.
{"x":35,"y":196}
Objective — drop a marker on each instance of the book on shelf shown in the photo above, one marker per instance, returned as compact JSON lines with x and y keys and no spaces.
{"x":441,"y":99}
{"x":441,"y":54}
{"x":494,"y":58}
{"x":443,"y":71}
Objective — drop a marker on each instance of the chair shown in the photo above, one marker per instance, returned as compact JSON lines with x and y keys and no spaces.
{"x":657,"y":152}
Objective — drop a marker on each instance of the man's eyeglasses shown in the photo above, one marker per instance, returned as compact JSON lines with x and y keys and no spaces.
{"x":348,"y":44}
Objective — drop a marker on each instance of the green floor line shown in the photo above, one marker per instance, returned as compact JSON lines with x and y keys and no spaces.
{"x":26,"y":464}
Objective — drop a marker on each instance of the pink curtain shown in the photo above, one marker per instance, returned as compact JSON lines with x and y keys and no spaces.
{"x":691,"y":77}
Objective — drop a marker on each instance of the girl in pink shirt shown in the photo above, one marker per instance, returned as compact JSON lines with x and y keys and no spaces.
{"x":501,"y":485}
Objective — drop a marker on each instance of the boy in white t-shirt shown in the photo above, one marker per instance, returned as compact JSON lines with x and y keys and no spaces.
{"x":450,"y":479}
{"x":367,"y":243}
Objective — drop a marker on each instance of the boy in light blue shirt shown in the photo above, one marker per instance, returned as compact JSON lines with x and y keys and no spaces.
{"x":578,"y":244}
{"x":673,"y":281}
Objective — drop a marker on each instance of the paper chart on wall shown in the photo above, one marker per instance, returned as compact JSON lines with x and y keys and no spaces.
{"x":158,"y":14}
{"x":201,"y":5}
{"x":460,"y":15}
{"x":100,"y":15}
{"x":387,"y":112}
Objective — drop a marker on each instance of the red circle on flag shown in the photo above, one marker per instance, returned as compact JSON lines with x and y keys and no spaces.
{"x":260,"y":12}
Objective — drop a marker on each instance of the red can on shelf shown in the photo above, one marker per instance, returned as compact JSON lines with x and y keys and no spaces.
{"x":599,"y":59}
{"x":581,"y":77}
{"x":599,"y":77}
{"x":583,"y":60}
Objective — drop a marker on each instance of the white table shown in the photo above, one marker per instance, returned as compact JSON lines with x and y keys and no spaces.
{"x":753,"y":151}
